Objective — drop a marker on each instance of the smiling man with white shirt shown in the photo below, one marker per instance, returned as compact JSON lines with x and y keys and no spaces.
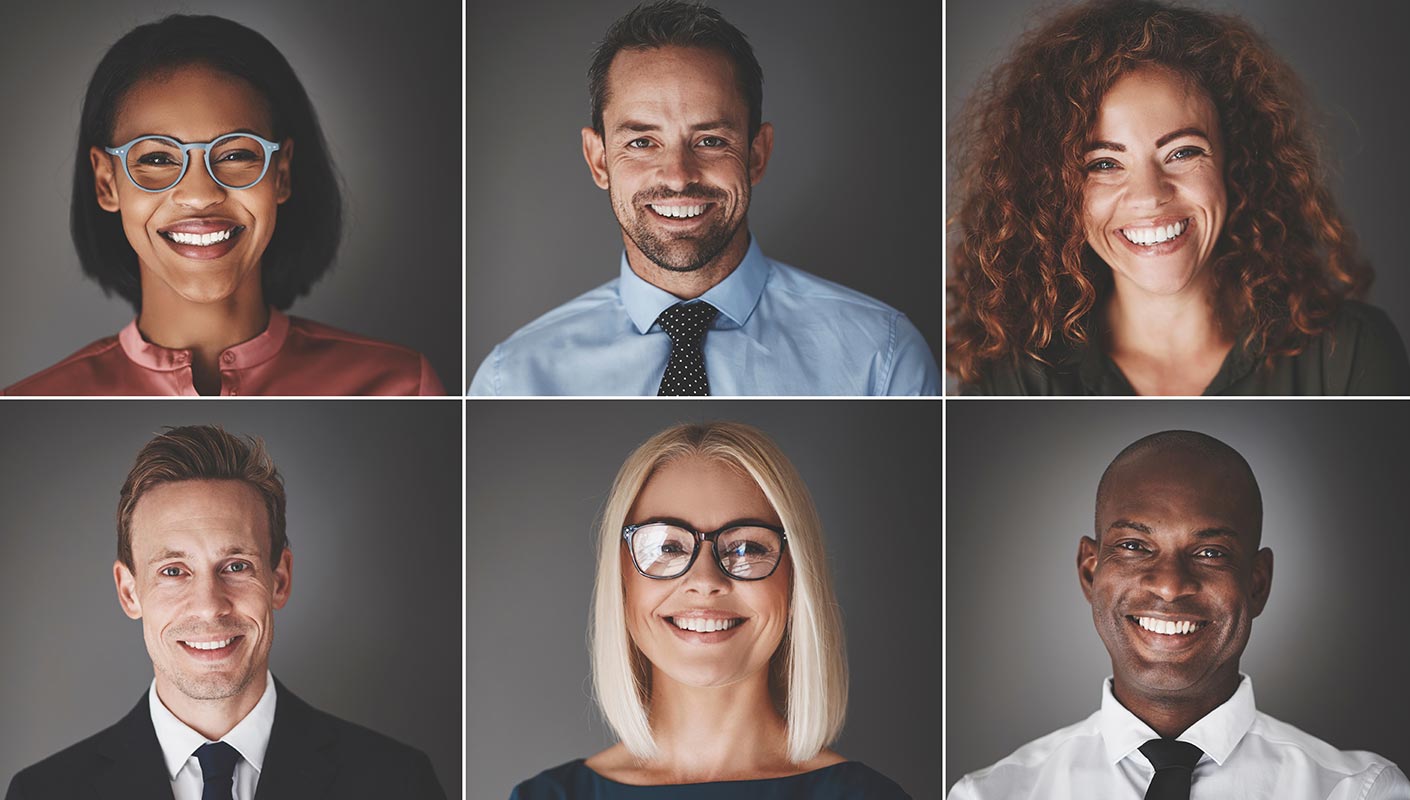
{"x":203,"y":562}
{"x":1175,"y":576}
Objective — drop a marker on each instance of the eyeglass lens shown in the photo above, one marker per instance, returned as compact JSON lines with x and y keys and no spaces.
{"x":664,"y":551}
{"x":236,"y":161}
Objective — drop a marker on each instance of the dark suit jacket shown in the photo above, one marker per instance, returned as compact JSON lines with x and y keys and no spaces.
{"x":311,"y":755}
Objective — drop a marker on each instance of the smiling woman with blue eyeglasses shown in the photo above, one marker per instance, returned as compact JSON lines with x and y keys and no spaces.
{"x":204,"y":195}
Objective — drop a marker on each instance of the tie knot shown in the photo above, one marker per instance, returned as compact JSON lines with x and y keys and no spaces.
{"x":217,"y":761}
{"x":686,"y":323}
{"x":1171,"y":754}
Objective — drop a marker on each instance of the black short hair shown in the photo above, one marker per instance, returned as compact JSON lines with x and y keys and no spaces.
{"x":677,"y":24}
{"x":310,"y":222}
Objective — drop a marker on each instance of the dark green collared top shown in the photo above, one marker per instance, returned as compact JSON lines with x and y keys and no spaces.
{"x":1362,"y":354}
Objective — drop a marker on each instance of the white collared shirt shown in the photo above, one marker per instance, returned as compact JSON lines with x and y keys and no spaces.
{"x":250,"y":737}
{"x":1246,"y":754}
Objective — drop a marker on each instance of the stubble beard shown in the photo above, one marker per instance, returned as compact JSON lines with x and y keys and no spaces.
{"x":671,"y":253}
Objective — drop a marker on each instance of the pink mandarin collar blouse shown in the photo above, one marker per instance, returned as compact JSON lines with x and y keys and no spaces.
{"x":292,"y":357}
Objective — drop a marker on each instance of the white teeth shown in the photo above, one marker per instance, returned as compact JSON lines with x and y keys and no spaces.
{"x":209,"y":645}
{"x":1169,"y":627}
{"x":200,"y":239}
{"x":1149,"y":236}
{"x":699,"y":625}
{"x":679,"y":212}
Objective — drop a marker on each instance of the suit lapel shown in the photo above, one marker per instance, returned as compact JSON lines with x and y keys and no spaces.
{"x":299,"y":763}
{"x":132,"y":764}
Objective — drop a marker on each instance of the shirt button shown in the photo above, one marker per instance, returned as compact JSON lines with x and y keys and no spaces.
{"x":228,"y":358}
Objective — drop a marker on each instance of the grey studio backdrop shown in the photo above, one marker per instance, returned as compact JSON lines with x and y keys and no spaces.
{"x":851,"y":193}
{"x":1327,"y":655}
{"x":537,"y":475}
{"x":1350,"y":55}
{"x":370,"y":633}
{"x":385,"y":82}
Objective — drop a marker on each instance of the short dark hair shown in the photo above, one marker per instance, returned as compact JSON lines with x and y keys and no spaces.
{"x":203,"y":453}
{"x":310,"y":221}
{"x":672,"y":23}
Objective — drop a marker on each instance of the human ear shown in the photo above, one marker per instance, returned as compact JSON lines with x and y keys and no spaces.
{"x":759,"y":151}
{"x":283,"y":578}
{"x":283,"y":172}
{"x":1262,"y":579}
{"x":1087,"y":565}
{"x":104,"y":178}
{"x":595,"y":154}
{"x":126,"y":584}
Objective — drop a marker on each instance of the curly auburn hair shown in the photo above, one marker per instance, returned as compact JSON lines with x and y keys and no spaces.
{"x":1023,"y":278}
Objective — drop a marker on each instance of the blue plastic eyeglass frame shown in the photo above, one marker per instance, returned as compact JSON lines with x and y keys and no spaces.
{"x":205,"y":147}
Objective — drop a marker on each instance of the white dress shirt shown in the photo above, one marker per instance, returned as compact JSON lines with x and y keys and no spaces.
{"x":1247,"y":755}
{"x":250,"y":737}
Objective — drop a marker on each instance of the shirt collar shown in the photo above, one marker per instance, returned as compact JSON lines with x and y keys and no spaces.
{"x":246,"y":354}
{"x":735,"y":296}
{"x":250,"y":736}
{"x":1217,"y":733}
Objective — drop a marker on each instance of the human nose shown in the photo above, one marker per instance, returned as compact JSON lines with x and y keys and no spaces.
{"x":679,"y":168}
{"x":1169,"y":577}
{"x":705,"y":575}
{"x":197,"y":189}
{"x":1149,"y":187}
{"x":209,"y":598}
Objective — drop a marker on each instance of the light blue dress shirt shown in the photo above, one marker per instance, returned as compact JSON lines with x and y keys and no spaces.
{"x":780,"y":331}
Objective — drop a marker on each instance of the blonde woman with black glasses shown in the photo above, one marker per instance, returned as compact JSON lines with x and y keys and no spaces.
{"x":716,"y":641}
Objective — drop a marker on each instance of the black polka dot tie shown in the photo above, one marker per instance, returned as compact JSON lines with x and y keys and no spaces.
{"x":1174,"y":764}
{"x":686,"y":324}
{"x":218,"y":761}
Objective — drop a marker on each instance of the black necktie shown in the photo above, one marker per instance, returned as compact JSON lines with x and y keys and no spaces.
{"x":1174,"y":764}
{"x":217,"y":770}
{"x":686,"y":324}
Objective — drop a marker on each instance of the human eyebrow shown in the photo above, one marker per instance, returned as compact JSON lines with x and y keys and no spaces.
{"x":1130,"y":525}
{"x":166,"y":555}
{"x":1217,"y":533}
{"x":178,"y":139}
{"x":1102,"y":144}
{"x":714,"y":124}
{"x":636,"y":127}
{"x":1173,"y":135}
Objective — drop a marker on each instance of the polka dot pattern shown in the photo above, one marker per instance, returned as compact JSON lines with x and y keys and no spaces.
{"x":686,"y":324}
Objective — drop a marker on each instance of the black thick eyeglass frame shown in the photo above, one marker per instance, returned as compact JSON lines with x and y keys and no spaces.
{"x":700,"y":537}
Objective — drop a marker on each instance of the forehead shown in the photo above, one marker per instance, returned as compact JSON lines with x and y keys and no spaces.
{"x":192,"y":514}
{"x":1155,"y":100}
{"x":1179,"y":491}
{"x":673,"y":81}
{"x":704,"y":492}
{"x":192,"y":103}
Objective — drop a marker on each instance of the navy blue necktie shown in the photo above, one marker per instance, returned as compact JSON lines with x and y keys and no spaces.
{"x":686,"y":324}
{"x":218,"y":761}
{"x":1174,"y":764}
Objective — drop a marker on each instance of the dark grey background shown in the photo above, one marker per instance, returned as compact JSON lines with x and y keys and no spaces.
{"x":1328,"y":654}
{"x":537,"y":475}
{"x":370,"y":633}
{"x":385,"y":80}
{"x":1351,"y":55}
{"x":851,"y":193}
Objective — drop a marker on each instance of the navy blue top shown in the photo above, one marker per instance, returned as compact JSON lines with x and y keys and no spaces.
{"x":849,"y":780}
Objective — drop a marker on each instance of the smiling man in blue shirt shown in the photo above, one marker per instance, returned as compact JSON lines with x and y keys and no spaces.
{"x":697,"y":308}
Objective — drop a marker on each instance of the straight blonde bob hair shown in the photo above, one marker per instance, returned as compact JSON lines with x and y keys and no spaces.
{"x":808,"y":673}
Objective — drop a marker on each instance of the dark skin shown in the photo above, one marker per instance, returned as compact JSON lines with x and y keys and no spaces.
{"x":1177,"y":544}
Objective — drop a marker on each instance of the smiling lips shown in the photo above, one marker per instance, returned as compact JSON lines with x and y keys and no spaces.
{"x":1169,"y":627}
{"x":704,"y":626}
{"x":1156,"y":239}
{"x":679,"y":212}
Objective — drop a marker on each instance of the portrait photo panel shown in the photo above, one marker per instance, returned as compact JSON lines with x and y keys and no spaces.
{"x":538,"y":479}
{"x":849,"y":194}
{"x":384,"y":83}
{"x":369,"y":633}
{"x":1023,"y":657}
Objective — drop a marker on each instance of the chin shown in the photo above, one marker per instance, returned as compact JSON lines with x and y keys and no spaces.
{"x":1160,"y":282}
